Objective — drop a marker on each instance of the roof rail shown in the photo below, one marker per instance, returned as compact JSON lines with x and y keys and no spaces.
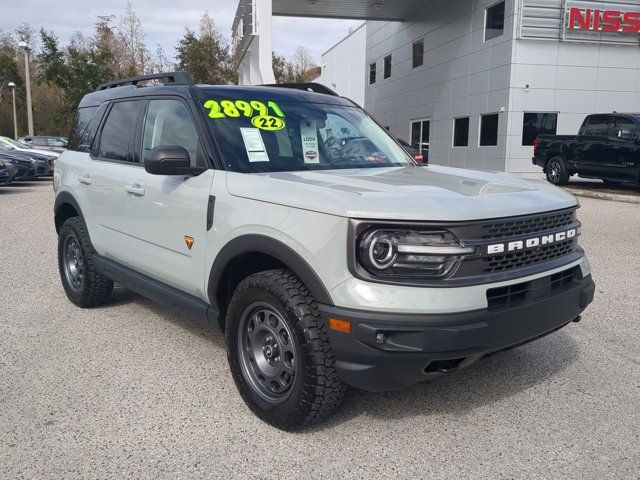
{"x":168,"y":78}
{"x":309,"y":87}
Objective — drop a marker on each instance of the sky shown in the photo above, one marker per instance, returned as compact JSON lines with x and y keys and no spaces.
{"x":164,"y":21}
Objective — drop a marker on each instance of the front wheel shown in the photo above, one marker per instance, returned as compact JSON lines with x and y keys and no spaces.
{"x":279,"y":351}
{"x":557,"y":172}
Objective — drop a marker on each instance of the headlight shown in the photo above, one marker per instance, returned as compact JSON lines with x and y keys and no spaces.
{"x":410,"y":253}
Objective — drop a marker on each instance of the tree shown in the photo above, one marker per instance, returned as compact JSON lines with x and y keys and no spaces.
{"x":302,"y":64}
{"x":206,"y":54}
{"x":282,"y":69}
{"x":136,"y":55}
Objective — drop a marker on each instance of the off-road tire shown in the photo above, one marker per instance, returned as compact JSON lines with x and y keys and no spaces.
{"x":315,"y":392}
{"x":557,"y":172}
{"x":94,"y":289}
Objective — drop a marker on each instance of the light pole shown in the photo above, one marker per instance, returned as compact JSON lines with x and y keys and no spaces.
{"x":26,"y":47}
{"x":12,"y":86}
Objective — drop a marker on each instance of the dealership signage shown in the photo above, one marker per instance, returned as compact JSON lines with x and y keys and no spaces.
{"x":594,"y":20}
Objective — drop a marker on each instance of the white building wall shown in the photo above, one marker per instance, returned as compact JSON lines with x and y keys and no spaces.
{"x":462,"y":76}
{"x":343,"y":66}
{"x":573,"y":78}
{"x":580,"y":74}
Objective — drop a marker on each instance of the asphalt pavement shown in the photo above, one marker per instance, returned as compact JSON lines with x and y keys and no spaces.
{"x":130,"y":390}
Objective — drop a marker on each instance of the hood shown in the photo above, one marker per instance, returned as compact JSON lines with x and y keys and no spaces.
{"x":408,"y":193}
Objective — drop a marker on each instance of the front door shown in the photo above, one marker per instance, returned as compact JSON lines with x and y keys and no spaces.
{"x":593,"y":146}
{"x":166,"y":215}
{"x":623,"y":161}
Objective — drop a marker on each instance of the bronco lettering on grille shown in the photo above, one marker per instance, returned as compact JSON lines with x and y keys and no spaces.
{"x":529,"y":243}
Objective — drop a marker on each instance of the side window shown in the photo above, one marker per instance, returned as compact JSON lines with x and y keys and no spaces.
{"x":621,"y":127}
{"x":115,"y":138}
{"x":168,"y":123}
{"x":598,"y":125}
{"x":84,"y":129}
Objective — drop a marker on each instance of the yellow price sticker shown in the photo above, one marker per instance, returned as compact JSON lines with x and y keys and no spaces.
{"x":267,"y":122}
{"x":242,"y":108}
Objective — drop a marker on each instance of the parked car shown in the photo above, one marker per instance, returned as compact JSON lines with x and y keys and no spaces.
{"x":7,"y":172}
{"x":323,"y":271}
{"x":55,"y":144}
{"x":25,"y":167}
{"x":606,"y":147}
{"x":414,"y":152}
{"x":44,"y":164}
{"x":23,"y":147}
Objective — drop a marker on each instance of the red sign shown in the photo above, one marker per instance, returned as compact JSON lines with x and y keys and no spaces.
{"x":604,"y":20}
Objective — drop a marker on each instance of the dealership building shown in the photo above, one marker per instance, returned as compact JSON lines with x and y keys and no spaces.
{"x":476,"y":80}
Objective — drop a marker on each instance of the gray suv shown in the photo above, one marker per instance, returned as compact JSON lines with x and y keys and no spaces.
{"x":322,"y":268}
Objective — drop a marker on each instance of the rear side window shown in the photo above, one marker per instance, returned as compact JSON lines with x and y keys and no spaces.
{"x":115,"y":138}
{"x":598,"y":125}
{"x":80,"y":138}
{"x":622,"y":126}
{"x":168,"y":123}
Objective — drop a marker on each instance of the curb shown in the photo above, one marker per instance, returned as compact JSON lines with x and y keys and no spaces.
{"x":604,"y":196}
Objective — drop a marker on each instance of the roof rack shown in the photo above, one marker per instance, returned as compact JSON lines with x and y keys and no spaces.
{"x":309,"y":87}
{"x":168,"y":78}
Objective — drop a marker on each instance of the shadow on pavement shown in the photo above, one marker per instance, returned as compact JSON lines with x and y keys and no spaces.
{"x":489,"y":381}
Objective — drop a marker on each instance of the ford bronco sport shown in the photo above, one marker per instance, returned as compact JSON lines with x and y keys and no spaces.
{"x":322,"y":268}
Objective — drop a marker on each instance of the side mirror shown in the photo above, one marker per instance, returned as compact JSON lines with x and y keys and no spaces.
{"x":170,"y":160}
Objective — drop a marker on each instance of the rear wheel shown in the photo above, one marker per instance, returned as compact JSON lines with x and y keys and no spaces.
{"x":83,"y":284}
{"x":557,"y":172}
{"x":279,"y":351}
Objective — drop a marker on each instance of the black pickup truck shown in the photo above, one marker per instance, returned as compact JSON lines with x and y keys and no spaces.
{"x":606,"y":147}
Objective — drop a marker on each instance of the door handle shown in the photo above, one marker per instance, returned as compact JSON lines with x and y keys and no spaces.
{"x":85,"y":178}
{"x":135,"y":190}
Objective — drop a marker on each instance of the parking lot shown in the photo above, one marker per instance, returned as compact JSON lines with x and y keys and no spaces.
{"x":132,"y":391}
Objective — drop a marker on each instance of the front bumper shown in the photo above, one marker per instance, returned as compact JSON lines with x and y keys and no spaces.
{"x":416,"y":347}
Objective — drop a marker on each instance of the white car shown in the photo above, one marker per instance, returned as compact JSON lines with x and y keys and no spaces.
{"x":11,"y":144}
{"x":323,"y":269}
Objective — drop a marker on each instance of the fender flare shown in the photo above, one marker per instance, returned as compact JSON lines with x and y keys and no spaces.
{"x":246,"y":244}
{"x":66,"y":198}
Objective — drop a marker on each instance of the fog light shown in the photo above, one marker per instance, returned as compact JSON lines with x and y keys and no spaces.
{"x":381,"y":338}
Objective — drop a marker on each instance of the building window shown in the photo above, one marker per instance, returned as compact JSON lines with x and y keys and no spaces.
{"x":489,"y":130}
{"x":538,"y":124}
{"x":461,"y":132}
{"x":418,"y":53}
{"x":372,"y":73}
{"x":494,"y":21}
{"x":387,"y":66}
{"x":420,"y":133}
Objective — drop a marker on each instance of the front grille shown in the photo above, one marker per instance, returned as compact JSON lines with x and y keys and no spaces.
{"x":524,"y":258}
{"x":513,"y":295}
{"x":524,"y":226}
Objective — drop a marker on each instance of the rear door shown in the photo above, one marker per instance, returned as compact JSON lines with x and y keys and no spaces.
{"x":163,"y":213}
{"x":593,"y":145}
{"x":623,"y":160}
{"x":100,"y":177}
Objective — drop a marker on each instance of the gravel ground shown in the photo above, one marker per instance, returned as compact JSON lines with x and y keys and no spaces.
{"x":133,"y":391}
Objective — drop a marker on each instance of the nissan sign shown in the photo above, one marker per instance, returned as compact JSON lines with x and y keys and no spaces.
{"x":595,"y":20}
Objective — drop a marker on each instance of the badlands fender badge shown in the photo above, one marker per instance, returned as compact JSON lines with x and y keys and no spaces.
{"x":530,"y":243}
{"x":189,"y":241}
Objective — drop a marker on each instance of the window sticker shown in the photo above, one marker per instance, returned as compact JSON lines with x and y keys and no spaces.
{"x":253,"y":143}
{"x":246,"y":108}
{"x":309,"y":134}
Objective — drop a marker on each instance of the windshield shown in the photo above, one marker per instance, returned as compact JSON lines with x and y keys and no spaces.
{"x":16,"y":144}
{"x":266,"y":136}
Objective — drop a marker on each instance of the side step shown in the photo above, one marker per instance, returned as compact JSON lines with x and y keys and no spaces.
{"x":160,"y":293}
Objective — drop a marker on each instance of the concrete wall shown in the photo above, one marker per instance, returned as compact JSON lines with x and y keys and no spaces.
{"x":343,"y":66}
{"x":462,"y":75}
